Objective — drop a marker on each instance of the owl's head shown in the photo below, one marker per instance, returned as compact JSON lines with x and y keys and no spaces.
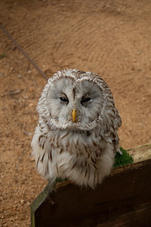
{"x":75,"y":100}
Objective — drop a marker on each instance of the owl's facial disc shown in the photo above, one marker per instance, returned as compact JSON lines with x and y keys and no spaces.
{"x":74,"y":104}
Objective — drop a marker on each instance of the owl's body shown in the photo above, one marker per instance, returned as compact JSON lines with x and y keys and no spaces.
{"x":76,"y":137}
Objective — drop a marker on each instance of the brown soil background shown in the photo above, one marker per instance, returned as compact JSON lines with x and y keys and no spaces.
{"x":111,"y":38}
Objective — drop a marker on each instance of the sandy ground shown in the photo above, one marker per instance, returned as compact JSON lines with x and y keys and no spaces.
{"x":111,"y":38}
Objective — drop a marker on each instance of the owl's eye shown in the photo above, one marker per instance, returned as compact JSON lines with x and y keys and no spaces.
{"x":64,"y":99}
{"x":85,"y":100}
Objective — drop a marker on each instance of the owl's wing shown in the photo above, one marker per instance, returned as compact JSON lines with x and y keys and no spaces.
{"x":41,"y":151}
{"x":117,"y":122}
{"x":111,"y":123}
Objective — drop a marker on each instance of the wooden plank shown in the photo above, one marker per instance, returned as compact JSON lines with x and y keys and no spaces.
{"x":139,"y":217}
{"x":141,"y":153}
{"x":123,"y":191}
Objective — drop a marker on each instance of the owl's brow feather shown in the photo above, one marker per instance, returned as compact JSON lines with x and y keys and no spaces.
{"x":73,"y":92}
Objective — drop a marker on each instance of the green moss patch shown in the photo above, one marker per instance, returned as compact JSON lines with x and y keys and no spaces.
{"x":122,"y":159}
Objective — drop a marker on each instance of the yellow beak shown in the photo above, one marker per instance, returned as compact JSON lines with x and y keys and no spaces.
{"x":74,"y":115}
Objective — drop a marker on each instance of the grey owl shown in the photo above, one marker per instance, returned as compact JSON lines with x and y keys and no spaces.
{"x":76,"y":137}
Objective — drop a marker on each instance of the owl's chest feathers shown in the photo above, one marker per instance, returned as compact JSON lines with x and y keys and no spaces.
{"x":83,"y":146}
{"x":71,"y":139}
{"x":77,"y":156}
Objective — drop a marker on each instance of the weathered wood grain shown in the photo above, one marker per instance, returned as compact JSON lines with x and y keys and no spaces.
{"x":141,"y":153}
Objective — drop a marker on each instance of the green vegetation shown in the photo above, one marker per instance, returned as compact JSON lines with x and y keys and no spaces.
{"x":122,"y":159}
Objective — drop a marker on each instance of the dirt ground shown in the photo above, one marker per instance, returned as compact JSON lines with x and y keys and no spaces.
{"x":108,"y":37}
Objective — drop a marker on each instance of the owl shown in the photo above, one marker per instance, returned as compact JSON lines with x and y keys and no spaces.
{"x":76,"y":136}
